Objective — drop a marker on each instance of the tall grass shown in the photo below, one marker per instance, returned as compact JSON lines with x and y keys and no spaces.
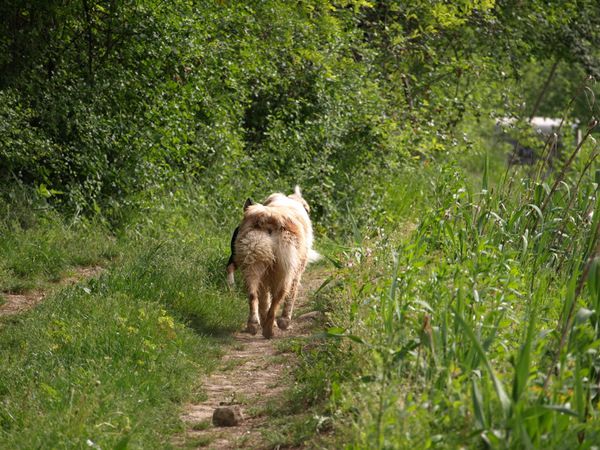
{"x":108,"y":363}
{"x":34,"y":255}
{"x":481,"y":327}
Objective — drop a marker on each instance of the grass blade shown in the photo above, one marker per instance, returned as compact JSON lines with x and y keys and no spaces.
{"x":500,"y":392}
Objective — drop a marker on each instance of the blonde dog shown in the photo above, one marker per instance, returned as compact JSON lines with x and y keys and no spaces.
{"x":272,"y":247}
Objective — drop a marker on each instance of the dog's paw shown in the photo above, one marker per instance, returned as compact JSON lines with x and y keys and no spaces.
{"x":267,"y":332}
{"x":283,"y":323}
{"x":252,"y":328}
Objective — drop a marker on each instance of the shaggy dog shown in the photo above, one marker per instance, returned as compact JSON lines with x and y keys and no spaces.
{"x":272,"y":247}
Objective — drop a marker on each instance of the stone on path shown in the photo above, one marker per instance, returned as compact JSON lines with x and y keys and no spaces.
{"x":227,"y":416}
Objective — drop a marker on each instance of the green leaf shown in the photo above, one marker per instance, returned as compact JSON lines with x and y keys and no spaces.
{"x":341,"y":333}
{"x":355,"y":338}
{"x":53,"y":393}
{"x":400,"y":354}
{"x":561,"y":409}
{"x":336,"y":331}
{"x":478,"y":405}
{"x":579,"y":394}
{"x":500,"y":392}
{"x":537,"y":210}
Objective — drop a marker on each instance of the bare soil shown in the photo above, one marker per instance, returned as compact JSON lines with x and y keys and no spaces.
{"x":17,"y":303}
{"x":253,"y":374}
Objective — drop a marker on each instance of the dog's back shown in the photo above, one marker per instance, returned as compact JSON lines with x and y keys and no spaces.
{"x":272,"y":248}
{"x":271,"y":238}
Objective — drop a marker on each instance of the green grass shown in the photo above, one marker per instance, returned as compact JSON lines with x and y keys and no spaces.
{"x":479,"y":328}
{"x":462,"y":313}
{"x":34,"y":256}
{"x":109,"y":362}
{"x":200,"y":426}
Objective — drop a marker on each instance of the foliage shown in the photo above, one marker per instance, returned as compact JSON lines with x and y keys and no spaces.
{"x":479,"y":327}
{"x":105,"y":100}
{"x":133,"y":131}
{"x":108,"y":362}
{"x":110,"y":104}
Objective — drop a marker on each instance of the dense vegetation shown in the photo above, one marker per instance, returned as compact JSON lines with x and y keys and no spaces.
{"x":462,"y":305}
{"x":102,"y":100}
{"x":108,"y":362}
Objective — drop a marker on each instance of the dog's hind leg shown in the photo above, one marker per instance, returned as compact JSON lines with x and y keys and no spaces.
{"x":280,"y":291}
{"x":252,"y":326}
{"x":267,"y":328}
{"x":264,"y":302}
{"x":230,"y":277}
{"x":231,"y":263}
{"x":286,"y":316}
{"x":253,"y":282}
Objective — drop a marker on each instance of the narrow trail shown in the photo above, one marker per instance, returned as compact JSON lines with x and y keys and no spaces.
{"x":254,"y":375}
{"x":17,"y":303}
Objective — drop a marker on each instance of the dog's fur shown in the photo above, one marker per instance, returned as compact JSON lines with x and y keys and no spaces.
{"x":272,"y":247}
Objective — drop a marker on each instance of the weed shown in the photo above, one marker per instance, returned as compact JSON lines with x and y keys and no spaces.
{"x":200,"y":426}
{"x":196,"y":442}
{"x":476,"y":328}
{"x":47,"y":250}
{"x":111,"y":360}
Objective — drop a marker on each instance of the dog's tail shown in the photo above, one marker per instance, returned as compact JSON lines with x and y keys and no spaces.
{"x":313,"y":256}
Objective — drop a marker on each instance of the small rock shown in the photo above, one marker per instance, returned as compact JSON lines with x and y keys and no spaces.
{"x":314,"y":315}
{"x":227,"y":416}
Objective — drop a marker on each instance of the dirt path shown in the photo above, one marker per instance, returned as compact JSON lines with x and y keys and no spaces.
{"x":16,"y":303}
{"x":253,"y":374}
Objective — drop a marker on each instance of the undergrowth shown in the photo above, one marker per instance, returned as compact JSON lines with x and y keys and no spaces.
{"x":107,"y":363}
{"x":477,"y":328}
{"x":39,"y":246}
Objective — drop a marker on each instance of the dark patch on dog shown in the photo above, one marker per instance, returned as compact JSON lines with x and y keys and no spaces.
{"x":249,"y":202}
{"x":232,"y":245}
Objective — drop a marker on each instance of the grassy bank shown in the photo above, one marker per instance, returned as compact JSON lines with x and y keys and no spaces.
{"x":39,"y":247}
{"x":108,"y":362}
{"x":475,"y":325}
{"x":460,"y":310}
